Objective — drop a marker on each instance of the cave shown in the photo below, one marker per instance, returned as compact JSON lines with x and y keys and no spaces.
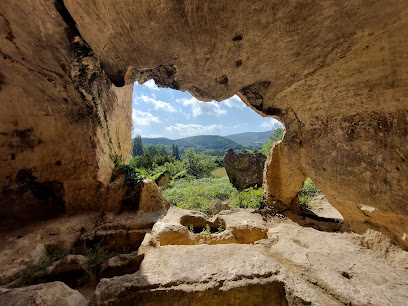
{"x":334,"y":73}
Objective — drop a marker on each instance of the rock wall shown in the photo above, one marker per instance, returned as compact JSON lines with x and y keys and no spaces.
{"x":55,"y":104}
{"x":244,"y":169}
{"x":334,"y":72}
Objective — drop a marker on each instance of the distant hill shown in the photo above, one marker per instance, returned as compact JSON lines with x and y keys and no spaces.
{"x":198,"y":143}
{"x":250,"y":139}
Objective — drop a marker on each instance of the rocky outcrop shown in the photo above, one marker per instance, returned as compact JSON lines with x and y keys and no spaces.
{"x":163,"y":180}
{"x":256,"y":259}
{"x":121,"y":264}
{"x":244,"y":169}
{"x":49,"y":294}
{"x":187,"y":227}
{"x":336,"y":78}
{"x":294,"y":266}
{"x":72,"y":270}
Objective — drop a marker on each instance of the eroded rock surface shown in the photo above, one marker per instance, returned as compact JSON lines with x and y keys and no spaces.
{"x":336,"y":78}
{"x":280,"y":262}
{"x":292,"y":266}
{"x":244,"y":169}
{"x":50,"y":294}
{"x":60,"y":116}
{"x":187,"y":227}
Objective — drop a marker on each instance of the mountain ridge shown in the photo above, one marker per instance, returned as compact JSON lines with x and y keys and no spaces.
{"x":204,"y":142}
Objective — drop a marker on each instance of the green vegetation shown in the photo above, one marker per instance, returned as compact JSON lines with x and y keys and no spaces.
{"x":34,"y":267}
{"x":197,"y":177}
{"x":96,"y":257}
{"x":220,"y":172}
{"x":276,"y":136}
{"x":215,"y":145}
{"x":308,"y":191}
{"x":176,"y":153}
{"x":137,"y":148}
{"x":221,"y":227}
{"x":207,"y":230}
{"x":210,"y":144}
{"x":250,"y":198}
{"x":253,"y":140}
{"x":157,"y":159}
{"x":199,"y":194}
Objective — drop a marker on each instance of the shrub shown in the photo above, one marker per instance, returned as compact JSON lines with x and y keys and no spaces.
{"x":308,"y":191}
{"x":249,"y":198}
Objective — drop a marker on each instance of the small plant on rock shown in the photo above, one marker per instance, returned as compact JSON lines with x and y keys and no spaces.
{"x":207,"y":230}
{"x":221,"y":226}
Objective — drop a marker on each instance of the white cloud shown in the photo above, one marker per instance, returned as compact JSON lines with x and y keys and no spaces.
{"x":151,"y":85}
{"x":234,"y":102}
{"x":272,"y":123}
{"x":135,"y":131}
{"x":143,"y":118}
{"x":158,"y":104}
{"x":203,"y":108}
{"x":194,"y":129}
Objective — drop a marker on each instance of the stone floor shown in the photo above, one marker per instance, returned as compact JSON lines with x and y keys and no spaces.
{"x":251,"y":259}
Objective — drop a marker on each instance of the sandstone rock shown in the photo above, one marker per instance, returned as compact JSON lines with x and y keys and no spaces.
{"x":115,"y":240}
{"x":246,"y":225}
{"x":151,"y":199}
{"x":186,"y":227}
{"x":121,"y":265}
{"x":218,"y":207}
{"x":197,"y":275}
{"x":50,"y":294}
{"x":66,"y":93}
{"x":32,"y":242}
{"x":294,"y":266}
{"x":330,"y":70}
{"x":122,"y":232}
{"x":172,"y":234}
{"x":244,"y":169}
{"x":71,"y":270}
{"x":163,"y":180}
{"x":224,"y":237}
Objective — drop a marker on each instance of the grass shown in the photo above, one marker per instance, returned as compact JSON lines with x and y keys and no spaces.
{"x":220,"y":172}
{"x":308,"y":191}
{"x":200,"y":194}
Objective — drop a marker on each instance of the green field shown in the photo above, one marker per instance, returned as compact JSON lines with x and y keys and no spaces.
{"x":220,"y":172}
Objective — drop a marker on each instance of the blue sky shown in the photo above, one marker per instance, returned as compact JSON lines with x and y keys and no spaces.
{"x":164,"y":112}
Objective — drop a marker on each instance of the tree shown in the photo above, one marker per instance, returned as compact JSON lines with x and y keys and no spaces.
{"x":176,"y":153}
{"x":276,"y":136}
{"x":156,"y":150}
{"x":137,"y":149}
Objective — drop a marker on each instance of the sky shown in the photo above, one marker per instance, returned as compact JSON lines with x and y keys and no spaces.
{"x":165,"y":112}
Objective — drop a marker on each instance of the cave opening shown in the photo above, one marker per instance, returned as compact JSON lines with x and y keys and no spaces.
{"x":174,"y":132}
